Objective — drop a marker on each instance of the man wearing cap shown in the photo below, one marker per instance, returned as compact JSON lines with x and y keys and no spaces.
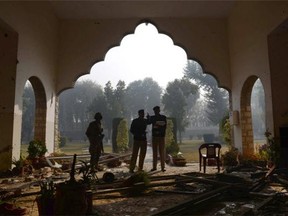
{"x":138,"y":129}
{"x":95,"y":136}
{"x":159,"y":124}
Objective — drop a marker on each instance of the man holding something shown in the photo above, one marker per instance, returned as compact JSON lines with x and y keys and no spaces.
{"x":159,"y":124}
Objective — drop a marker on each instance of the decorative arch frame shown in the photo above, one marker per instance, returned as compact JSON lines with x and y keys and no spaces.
{"x":40,"y":109}
{"x":246,"y":116}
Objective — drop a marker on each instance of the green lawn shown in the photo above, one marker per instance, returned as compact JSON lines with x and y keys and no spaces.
{"x":188,"y":148}
{"x":81,"y":148}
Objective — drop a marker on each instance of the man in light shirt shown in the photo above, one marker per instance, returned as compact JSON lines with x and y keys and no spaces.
{"x":159,"y":124}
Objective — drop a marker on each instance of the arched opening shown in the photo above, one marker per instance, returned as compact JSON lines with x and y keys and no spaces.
{"x":28,"y":117}
{"x":210,"y":111}
{"x":137,"y":81}
{"x":34,"y":113}
{"x":40,"y":109}
{"x":246,"y":117}
{"x":258,"y":114}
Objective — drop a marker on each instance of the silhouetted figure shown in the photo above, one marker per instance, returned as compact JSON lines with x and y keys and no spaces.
{"x":95,"y":136}
{"x":159,"y":124}
{"x":138,"y":129}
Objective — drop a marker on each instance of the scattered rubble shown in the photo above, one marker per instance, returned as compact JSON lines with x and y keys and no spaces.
{"x":242,"y":190}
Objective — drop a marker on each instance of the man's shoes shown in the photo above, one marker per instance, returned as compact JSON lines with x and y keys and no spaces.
{"x":153,"y":169}
{"x":163,"y":170}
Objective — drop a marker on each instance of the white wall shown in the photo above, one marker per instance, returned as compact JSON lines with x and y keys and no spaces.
{"x":249,"y":25}
{"x":37,"y":28}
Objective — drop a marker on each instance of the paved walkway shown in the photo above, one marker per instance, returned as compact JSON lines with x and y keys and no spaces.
{"x":170,"y":170}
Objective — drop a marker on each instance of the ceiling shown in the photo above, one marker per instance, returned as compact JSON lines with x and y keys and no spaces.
{"x":140,"y":9}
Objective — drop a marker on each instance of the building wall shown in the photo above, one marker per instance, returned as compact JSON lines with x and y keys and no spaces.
{"x":249,"y":26}
{"x":57,"y":52}
{"x":278,"y":52}
{"x":8,"y":59}
{"x":85,"y":42}
{"x":37,"y":28}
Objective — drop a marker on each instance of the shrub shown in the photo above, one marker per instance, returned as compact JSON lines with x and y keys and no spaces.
{"x":36,"y":149}
{"x":122,"y":136}
{"x":172,"y":148}
{"x":272,"y":148}
{"x":230,"y":158}
{"x":226,"y":130}
{"x":170,"y":144}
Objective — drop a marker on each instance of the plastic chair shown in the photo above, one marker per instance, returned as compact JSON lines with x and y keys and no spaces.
{"x":210,"y":151}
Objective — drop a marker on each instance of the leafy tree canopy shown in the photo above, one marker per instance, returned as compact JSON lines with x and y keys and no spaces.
{"x":216,"y":98}
{"x":175,"y":101}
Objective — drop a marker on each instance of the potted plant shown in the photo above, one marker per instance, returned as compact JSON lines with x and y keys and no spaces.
{"x":137,"y":184}
{"x":252,"y":159}
{"x":36,"y":151}
{"x":230,"y":157}
{"x":178,"y":159}
{"x":18,"y":168}
{"x":71,"y":195}
{"x":46,"y":199}
{"x":270,"y":150}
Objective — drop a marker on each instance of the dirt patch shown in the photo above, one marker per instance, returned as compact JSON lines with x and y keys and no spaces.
{"x":114,"y":203}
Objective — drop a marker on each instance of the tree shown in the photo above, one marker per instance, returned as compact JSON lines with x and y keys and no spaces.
{"x":108,"y":114}
{"x":198,"y":116}
{"x":119,"y":102}
{"x":98,"y":105}
{"x":74,"y":115}
{"x":85,"y":92}
{"x":216,"y":98}
{"x":217,"y":105}
{"x":111,"y":104}
{"x":175,"y":102}
{"x":142,"y":94}
{"x":115,"y":103}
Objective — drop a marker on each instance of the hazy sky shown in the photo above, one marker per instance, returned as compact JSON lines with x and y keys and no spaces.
{"x":146,"y":53}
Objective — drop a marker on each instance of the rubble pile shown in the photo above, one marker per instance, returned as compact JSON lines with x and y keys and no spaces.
{"x":239,"y":190}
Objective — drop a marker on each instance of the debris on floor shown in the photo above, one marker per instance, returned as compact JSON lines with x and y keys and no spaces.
{"x":242,"y":190}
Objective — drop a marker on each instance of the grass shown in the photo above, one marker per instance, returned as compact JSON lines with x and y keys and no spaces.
{"x":189,"y":149}
{"x":69,"y":148}
{"x":81,"y":148}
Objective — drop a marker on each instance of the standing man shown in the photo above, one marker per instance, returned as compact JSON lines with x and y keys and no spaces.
{"x":138,"y":129}
{"x":95,"y":136}
{"x":159,"y":124}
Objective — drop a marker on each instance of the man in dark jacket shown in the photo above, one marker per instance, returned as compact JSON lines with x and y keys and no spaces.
{"x":138,"y":129}
{"x":159,"y":124}
{"x":95,"y":136}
